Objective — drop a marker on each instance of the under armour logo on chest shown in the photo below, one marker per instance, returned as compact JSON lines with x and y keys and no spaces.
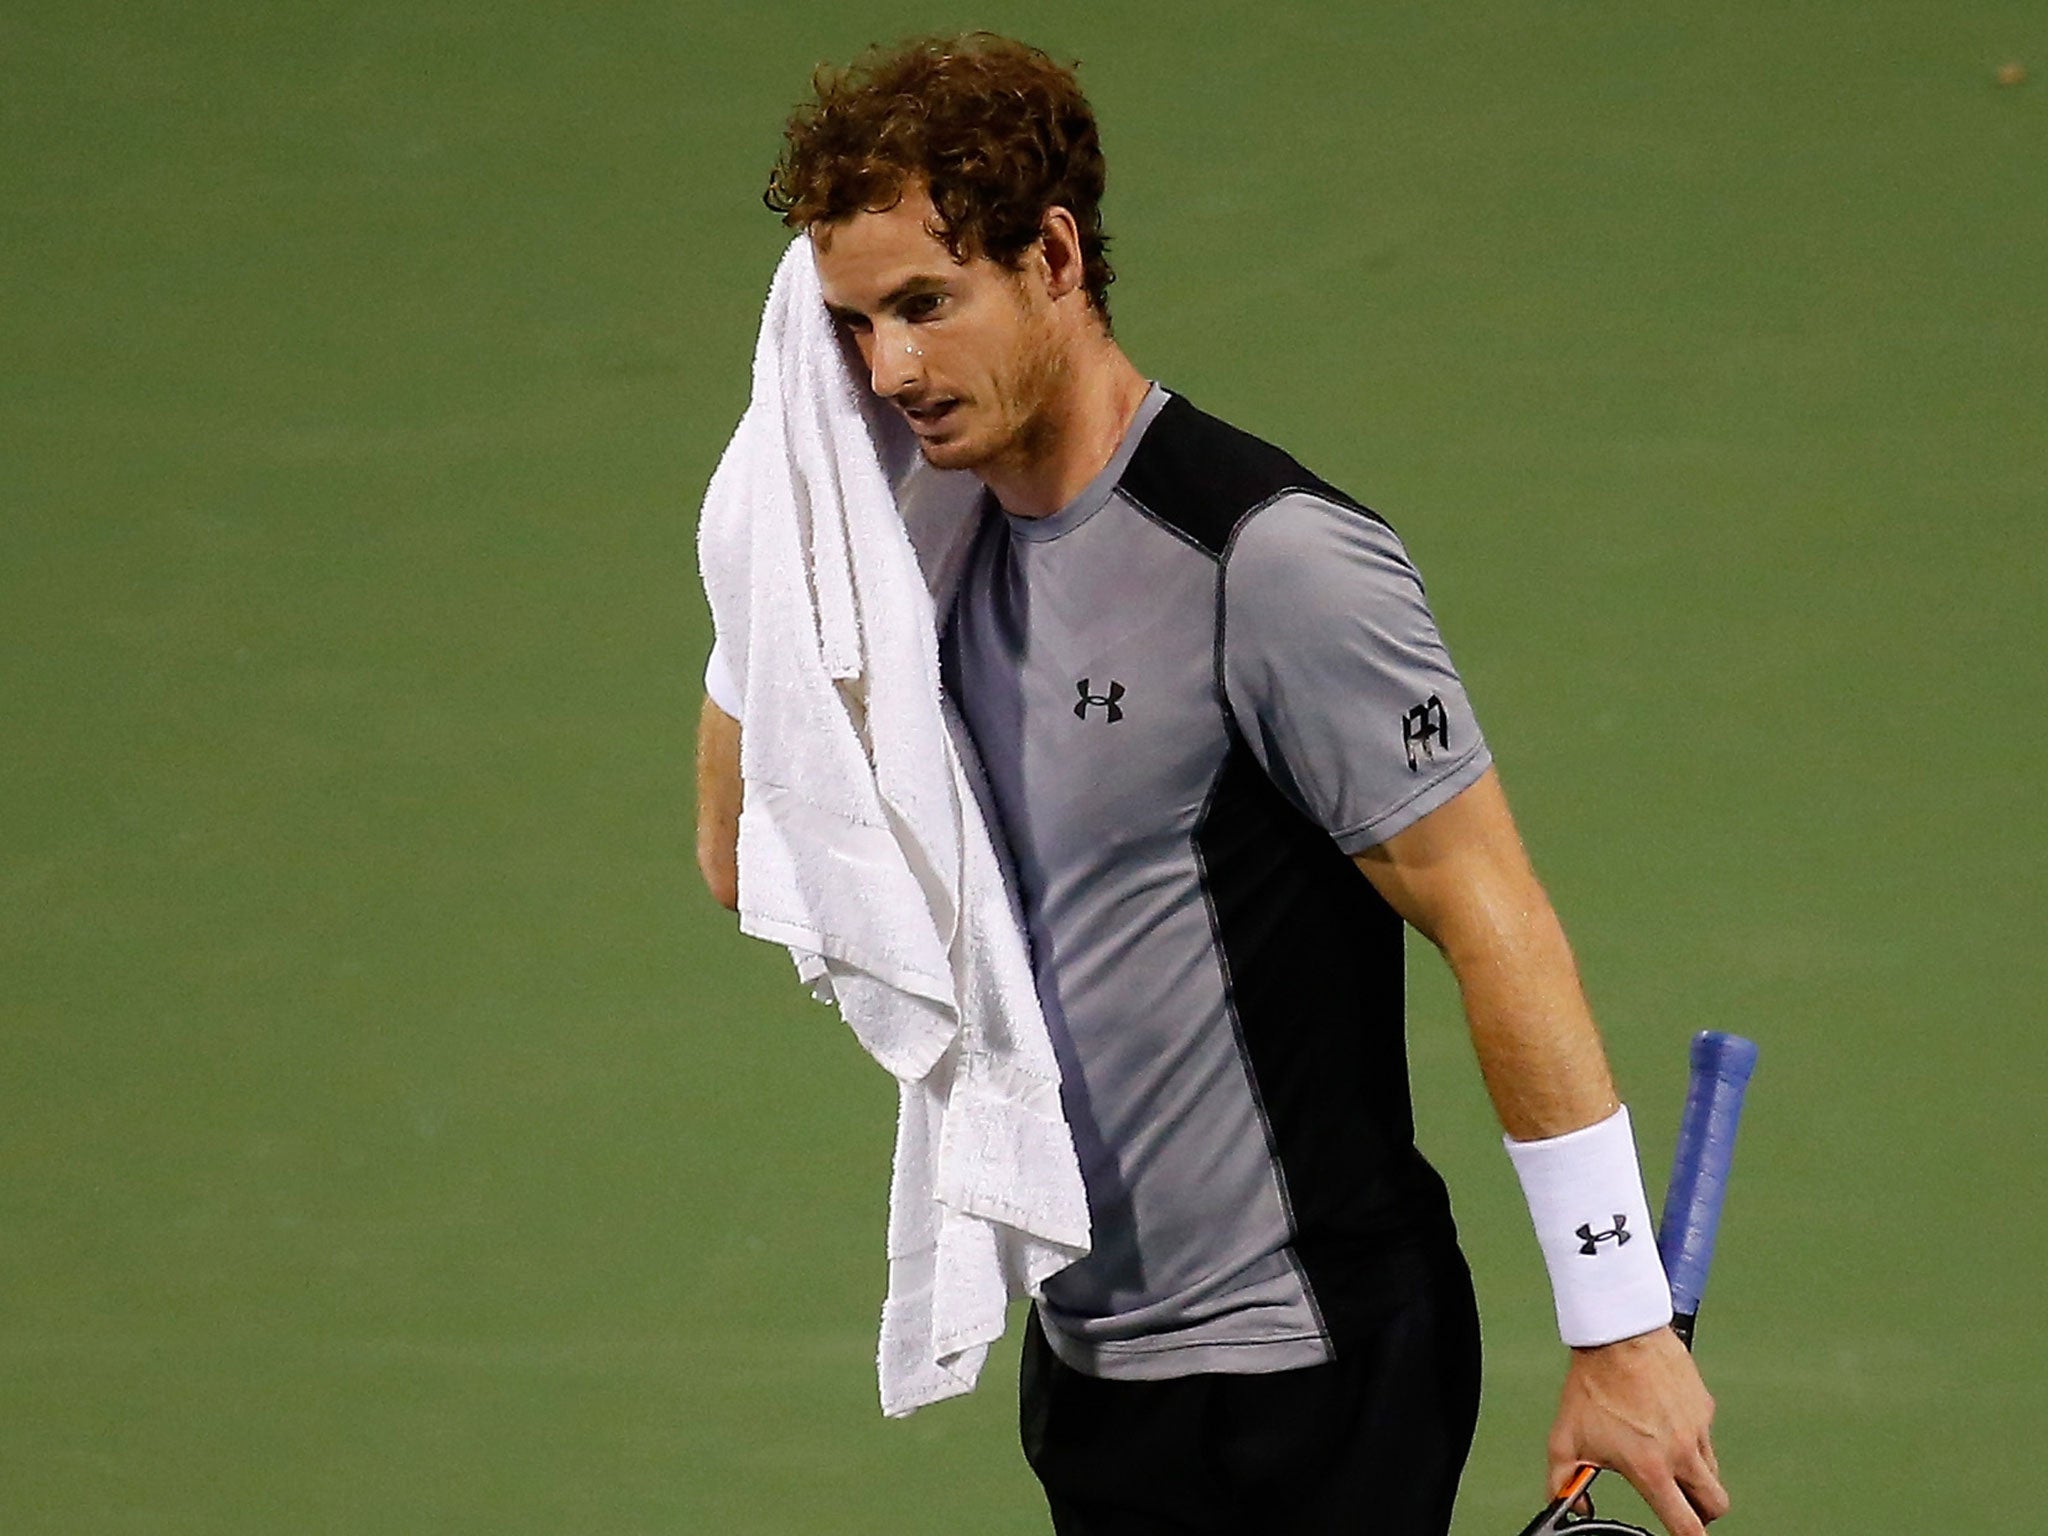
{"x":1618,"y":1234}
{"x":1113,"y":711}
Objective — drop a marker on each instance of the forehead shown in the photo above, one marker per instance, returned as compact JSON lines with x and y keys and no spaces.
{"x":863,"y":259}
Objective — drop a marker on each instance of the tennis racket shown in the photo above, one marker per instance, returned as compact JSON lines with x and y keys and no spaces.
{"x":1721,"y":1065}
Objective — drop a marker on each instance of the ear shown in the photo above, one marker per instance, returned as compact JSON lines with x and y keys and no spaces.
{"x":1059,"y":248}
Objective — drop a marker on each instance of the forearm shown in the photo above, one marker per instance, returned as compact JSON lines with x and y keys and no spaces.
{"x":1539,"y":1051}
{"x":718,"y":803}
{"x":1461,"y":877}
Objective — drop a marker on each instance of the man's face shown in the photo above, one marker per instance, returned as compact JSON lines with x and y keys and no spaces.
{"x":964,"y":349}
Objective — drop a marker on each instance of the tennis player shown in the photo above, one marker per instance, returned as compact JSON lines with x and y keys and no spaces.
{"x":1232,"y":761}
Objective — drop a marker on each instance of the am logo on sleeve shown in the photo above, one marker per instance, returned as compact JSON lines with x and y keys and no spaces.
{"x":1425,"y":729}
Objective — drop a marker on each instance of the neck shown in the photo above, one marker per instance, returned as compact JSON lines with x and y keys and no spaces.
{"x":1079,"y":431}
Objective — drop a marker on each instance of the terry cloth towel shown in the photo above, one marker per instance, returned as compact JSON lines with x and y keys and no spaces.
{"x":863,"y":844}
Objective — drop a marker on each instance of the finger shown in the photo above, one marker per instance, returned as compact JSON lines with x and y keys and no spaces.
{"x":1564,"y":1475}
{"x":1671,"y":1505}
{"x":1554,"y":1482}
{"x":1703,"y":1490}
{"x":1575,"y":1487}
{"x":1560,"y":1472}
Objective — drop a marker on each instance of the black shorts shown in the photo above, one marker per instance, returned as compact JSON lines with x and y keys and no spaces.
{"x":1371,"y":1444}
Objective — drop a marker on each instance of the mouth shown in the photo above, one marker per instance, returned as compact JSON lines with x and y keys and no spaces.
{"x":929,"y":419}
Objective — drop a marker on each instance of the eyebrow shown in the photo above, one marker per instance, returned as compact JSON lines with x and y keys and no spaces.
{"x":909,"y":288}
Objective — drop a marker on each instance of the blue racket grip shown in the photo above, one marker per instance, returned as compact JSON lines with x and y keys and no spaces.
{"x":1721,"y":1065}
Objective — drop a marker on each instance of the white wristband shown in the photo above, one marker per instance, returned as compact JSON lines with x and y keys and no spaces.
{"x":1585,"y":1194}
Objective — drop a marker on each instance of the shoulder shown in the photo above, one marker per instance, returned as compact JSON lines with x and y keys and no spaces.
{"x":1204,"y":478}
{"x":1309,"y":537}
{"x":1305,"y":573}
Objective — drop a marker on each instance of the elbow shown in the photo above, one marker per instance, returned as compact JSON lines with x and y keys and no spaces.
{"x":719,"y":795}
{"x":718,"y":859}
{"x":721,"y":876}
{"x":724,"y":890}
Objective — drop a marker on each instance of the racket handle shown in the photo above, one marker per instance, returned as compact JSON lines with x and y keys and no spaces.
{"x":1721,"y":1067}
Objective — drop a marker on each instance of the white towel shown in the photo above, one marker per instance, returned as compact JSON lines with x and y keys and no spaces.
{"x":863,"y":846}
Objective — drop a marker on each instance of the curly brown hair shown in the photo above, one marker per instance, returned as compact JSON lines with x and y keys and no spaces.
{"x":997,"y":132}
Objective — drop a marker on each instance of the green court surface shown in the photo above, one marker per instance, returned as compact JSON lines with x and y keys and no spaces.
{"x":394,"y":1138}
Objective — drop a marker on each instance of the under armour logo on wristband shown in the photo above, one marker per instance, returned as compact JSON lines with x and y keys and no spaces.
{"x":1423,"y":729}
{"x":1111,"y":708}
{"x":1590,"y":1241}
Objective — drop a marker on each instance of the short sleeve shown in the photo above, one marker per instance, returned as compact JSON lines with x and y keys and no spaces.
{"x":1336,"y":674}
{"x":721,"y":680}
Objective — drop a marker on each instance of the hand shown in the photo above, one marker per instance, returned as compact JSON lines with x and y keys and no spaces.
{"x":1639,"y":1407}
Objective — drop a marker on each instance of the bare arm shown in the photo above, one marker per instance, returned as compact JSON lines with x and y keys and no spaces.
{"x":1460,"y":876}
{"x":1461,"y":879}
{"x":718,"y":803}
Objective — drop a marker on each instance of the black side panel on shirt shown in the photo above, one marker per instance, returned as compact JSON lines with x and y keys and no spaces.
{"x":1313,"y":958}
{"x":1313,"y":966}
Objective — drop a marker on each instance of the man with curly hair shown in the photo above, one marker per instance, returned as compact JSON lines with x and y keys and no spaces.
{"x":1231,"y":759}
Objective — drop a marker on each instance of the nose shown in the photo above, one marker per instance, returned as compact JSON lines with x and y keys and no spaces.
{"x":895,"y":363}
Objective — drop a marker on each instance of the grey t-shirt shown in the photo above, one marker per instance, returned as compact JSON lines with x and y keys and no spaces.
{"x":1195,"y":690}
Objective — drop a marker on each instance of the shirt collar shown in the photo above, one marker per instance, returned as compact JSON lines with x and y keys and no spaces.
{"x":1095,"y":494}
